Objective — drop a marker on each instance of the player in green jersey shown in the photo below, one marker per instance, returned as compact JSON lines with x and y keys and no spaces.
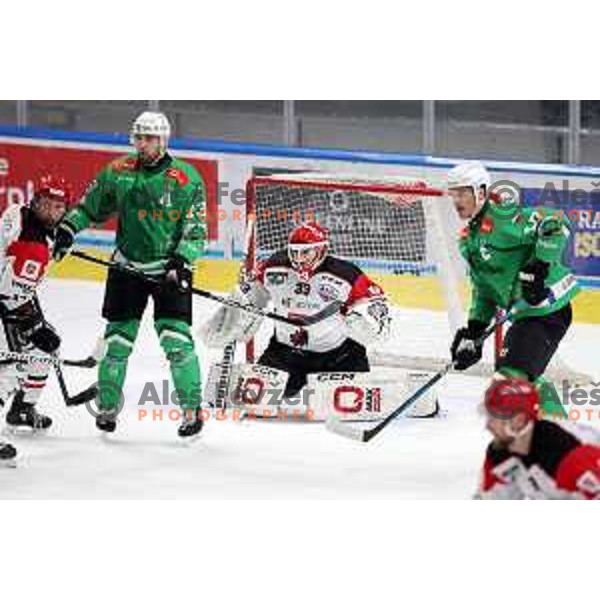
{"x":513,"y":253}
{"x":159,"y":203}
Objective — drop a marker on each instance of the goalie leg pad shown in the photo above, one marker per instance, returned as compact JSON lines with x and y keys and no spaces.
{"x":368,"y":396}
{"x":260,"y":390}
{"x":350,"y":357}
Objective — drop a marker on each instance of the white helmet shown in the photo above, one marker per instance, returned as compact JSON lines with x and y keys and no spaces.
{"x":469,"y":174}
{"x":152,"y":123}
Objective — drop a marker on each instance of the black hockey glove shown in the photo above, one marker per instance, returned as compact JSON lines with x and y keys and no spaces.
{"x":64,"y":237}
{"x":466,"y":348}
{"x":179,"y":274}
{"x":533,"y":281}
{"x":45,"y":339}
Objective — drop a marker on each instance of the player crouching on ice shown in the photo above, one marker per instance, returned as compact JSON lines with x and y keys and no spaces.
{"x":530,"y":458}
{"x":138,"y":189}
{"x":26,"y":233}
{"x":514,"y":253}
{"x":302,"y":281}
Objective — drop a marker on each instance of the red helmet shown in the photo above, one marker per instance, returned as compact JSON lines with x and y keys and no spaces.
{"x":505,"y":398}
{"x":307,"y":246}
{"x":58,"y":188}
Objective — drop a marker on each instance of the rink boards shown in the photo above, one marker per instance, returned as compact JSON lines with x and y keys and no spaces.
{"x":403,"y":290}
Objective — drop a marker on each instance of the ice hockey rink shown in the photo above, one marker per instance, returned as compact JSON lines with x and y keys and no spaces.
{"x":412,"y":459}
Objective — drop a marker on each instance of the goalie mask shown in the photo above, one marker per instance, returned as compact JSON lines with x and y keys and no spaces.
{"x":307,"y":247}
{"x":150,"y":134}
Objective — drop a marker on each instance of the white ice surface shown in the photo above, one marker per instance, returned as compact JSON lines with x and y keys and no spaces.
{"x":412,"y":459}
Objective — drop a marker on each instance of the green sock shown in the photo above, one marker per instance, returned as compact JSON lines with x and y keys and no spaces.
{"x":120,"y":338}
{"x":176,"y":341}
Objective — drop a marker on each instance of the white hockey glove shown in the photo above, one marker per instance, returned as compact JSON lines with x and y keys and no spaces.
{"x":369,"y":321}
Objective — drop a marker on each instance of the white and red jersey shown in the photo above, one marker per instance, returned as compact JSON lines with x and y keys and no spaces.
{"x":24,"y":255}
{"x":294,"y":294}
{"x":559,"y":465}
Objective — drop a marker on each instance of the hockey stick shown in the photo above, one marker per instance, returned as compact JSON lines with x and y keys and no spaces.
{"x":300,"y":321}
{"x":82,"y":397}
{"x":224,"y":381}
{"x":335,"y":425}
{"x":84,"y":363}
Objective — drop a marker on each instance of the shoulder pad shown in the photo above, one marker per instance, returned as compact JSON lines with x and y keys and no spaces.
{"x":340,"y":268}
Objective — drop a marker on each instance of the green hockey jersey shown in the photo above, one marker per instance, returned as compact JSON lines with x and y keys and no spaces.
{"x":502,"y":239}
{"x":160,"y":211}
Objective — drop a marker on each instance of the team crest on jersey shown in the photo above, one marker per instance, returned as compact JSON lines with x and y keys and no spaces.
{"x":464,"y":233}
{"x":328,"y":292}
{"x":31,"y":270}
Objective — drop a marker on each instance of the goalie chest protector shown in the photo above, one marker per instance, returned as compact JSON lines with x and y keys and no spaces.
{"x":294,"y":294}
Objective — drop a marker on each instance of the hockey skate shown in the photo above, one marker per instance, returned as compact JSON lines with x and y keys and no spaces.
{"x":23,"y":416}
{"x":106,"y":421}
{"x":8,"y":454}
{"x":191,"y":424}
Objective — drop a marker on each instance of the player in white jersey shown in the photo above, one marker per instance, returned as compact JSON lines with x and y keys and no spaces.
{"x":301,"y":281}
{"x":26,"y":234}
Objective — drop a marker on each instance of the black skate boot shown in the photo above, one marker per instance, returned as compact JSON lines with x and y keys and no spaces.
{"x":106,"y":421}
{"x":23,"y":416}
{"x":191,"y":424}
{"x":8,"y":454}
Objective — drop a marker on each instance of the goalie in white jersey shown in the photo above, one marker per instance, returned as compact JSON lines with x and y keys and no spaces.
{"x":301,"y":281}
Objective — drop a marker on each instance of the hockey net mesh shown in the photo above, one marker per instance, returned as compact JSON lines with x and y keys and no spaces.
{"x":393,"y":229}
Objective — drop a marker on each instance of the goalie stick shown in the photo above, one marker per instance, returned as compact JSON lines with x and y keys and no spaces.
{"x":299,"y":321}
{"x":224,"y":381}
{"x":335,"y":425}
